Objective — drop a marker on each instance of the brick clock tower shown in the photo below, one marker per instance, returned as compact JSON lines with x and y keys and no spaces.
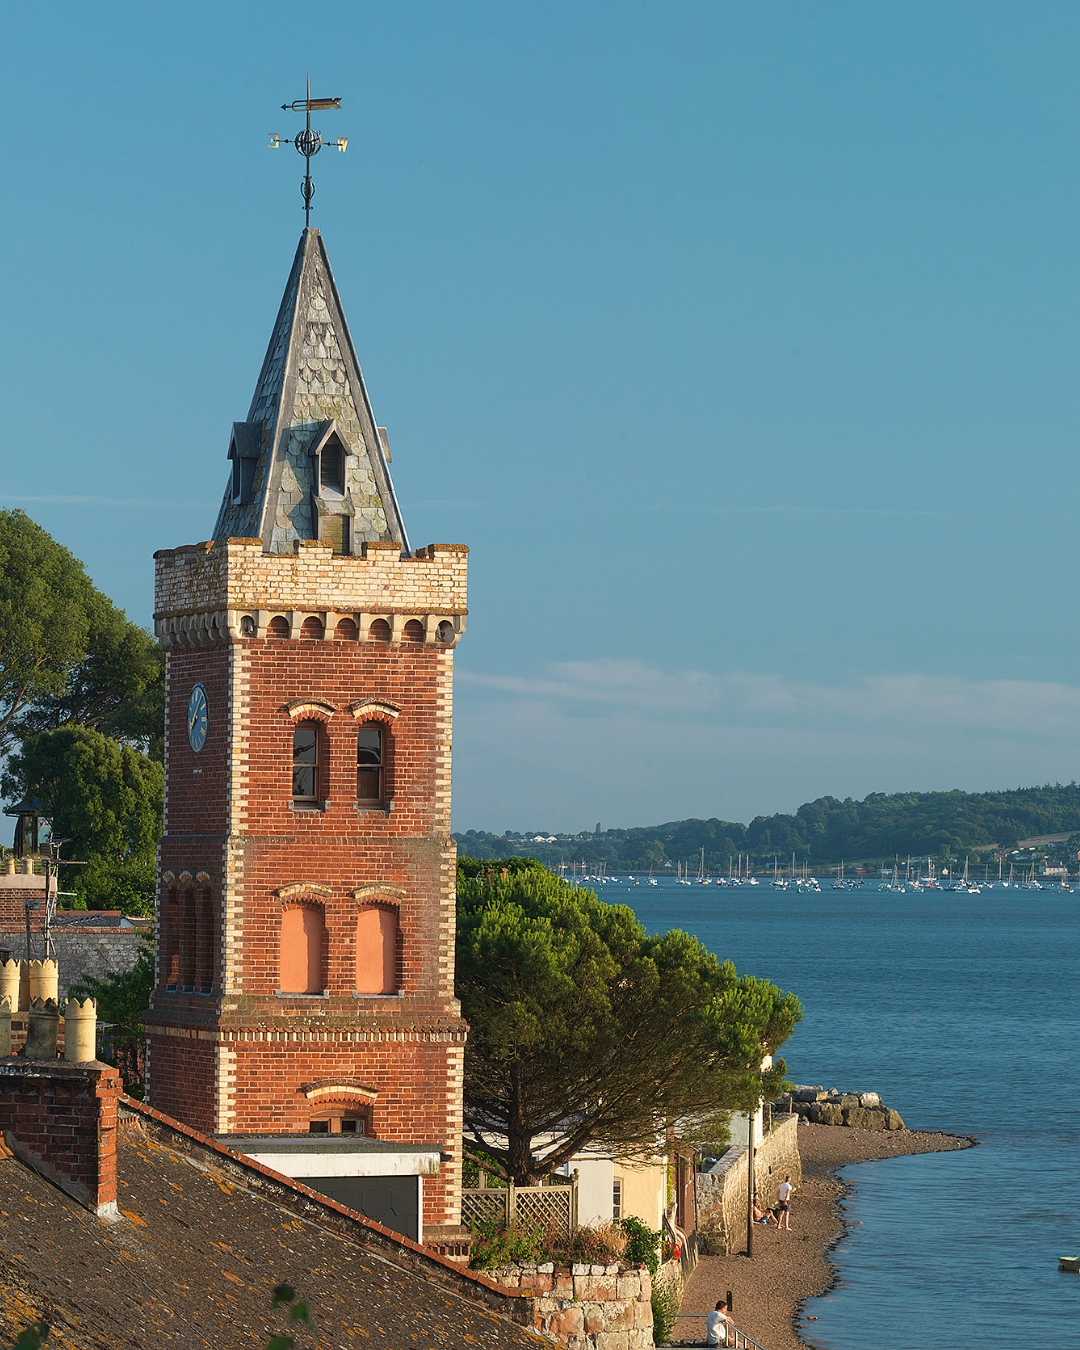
{"x":304,"y":1007}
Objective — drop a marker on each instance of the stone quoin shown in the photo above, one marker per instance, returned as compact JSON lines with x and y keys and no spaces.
{"x":305,"y":906}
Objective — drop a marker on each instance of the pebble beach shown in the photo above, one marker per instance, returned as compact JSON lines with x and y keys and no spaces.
{"x":789,"y":1267}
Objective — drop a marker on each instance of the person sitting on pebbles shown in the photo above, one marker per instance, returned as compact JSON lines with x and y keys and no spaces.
{"x":765,"y":1216}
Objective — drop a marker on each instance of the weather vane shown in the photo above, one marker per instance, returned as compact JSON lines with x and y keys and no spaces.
{"x":308,"y":142}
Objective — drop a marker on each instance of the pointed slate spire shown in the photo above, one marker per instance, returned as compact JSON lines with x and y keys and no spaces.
{"x":309,"y":462}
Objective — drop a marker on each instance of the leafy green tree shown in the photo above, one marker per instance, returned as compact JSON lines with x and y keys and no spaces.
{"x":107,"y":799}
{"x":44,"y":623}
{"x":67,"y":654}
{"x":118,"y":687}
{"x":585,"y":1029}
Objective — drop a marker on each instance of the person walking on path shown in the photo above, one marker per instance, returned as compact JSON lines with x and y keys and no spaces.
{"x":716,"y":1325}
{"x":783,"y":1203}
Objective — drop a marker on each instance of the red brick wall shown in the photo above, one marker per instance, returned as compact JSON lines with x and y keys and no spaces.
{"x":62,"y":1120}
{"x":182,"y":1072}
{"x":244,"y":833}
{"x":12,"y":912}
{"x":196,"y":785}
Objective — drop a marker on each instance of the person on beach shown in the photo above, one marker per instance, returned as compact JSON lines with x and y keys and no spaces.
{"x":783,"y":1203}
{"x":765,"y":1216}
{"x":716,"y":1325}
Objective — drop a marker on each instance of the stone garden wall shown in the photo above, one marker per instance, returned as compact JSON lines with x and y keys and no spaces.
{"x":721,"y":1191}
{"x":586,"y":1307}
{"x":81,"y":952}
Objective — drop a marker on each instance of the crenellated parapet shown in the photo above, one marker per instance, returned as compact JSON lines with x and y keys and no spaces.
{"x":231,"y":590}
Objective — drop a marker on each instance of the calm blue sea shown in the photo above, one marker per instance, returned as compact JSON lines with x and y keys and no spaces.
{"x":963,"y":1011}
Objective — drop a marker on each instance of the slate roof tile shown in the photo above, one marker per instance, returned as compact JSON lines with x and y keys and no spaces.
{"x":193,"y":1263}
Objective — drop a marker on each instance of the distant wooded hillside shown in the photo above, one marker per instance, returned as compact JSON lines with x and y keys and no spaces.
{"x":882,"y":826}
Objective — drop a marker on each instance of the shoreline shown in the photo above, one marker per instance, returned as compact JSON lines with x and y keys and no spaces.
{"x":789,"y":1268}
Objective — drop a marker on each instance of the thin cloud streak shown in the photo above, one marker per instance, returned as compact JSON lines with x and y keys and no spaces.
{"x":782,"y":510}
{"x":630,"y":744}
{"x":79,"y":499}
{"x":1003,"y":707}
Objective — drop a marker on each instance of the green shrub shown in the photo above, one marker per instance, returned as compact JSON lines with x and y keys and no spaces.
{"x":497,"y":1243}
{"x":665,"y":1304}
{"x":642,"y":1244}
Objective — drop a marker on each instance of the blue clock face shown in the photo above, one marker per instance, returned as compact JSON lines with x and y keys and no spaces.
{"x":196,"y":718}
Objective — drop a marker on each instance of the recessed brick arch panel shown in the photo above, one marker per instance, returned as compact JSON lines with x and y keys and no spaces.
{"x":302,"y":946}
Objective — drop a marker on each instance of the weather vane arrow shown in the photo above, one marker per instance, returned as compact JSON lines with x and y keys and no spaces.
{"x":308,"y":142}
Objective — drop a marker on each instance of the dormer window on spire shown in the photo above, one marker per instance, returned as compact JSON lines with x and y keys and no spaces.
{"x":332,"y":469}
{"x":245,"y":448}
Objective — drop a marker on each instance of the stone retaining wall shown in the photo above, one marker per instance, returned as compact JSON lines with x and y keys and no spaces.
{"x":721,"y":1191}
{"x":585,"y":1307}
{"x":82,"y":953}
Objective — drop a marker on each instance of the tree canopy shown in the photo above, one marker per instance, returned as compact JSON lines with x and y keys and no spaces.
{"x":586,"y":1029}
{"x":881,"y":826}
{"x":67,"y":654}
{"x":107,"y":800}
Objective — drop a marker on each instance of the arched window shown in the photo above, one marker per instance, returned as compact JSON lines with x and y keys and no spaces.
{"x":445,"y":631}
{"x":341,"y":1120}
{"x":414,"y":631}
{"x":370,"y":763}
{"x":301,"y":959}
{"x":311,"y":628}
{"x":278,"y":627}
{"x":377,"y":950}
{"x":306,"y":765}
{"x":346,"y":630}
{"x":379,"y":631}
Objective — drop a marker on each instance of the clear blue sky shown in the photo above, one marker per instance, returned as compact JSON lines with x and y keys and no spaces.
{"x":739,"y":342}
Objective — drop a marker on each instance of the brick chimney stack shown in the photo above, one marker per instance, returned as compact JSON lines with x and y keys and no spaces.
{"x":60,"y":1119}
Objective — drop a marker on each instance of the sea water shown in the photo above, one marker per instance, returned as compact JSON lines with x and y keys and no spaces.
{"x":963,"y":1012}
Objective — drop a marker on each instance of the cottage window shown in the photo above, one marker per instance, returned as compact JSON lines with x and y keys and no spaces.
{"x":305,"y":773}
{"x":369,"y":764}
{"x":616,"y":1198}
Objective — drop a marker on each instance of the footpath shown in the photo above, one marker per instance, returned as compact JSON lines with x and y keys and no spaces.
{"x":790,"y":1267}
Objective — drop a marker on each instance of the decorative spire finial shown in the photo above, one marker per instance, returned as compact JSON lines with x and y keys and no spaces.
{"x":308,"y":142}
